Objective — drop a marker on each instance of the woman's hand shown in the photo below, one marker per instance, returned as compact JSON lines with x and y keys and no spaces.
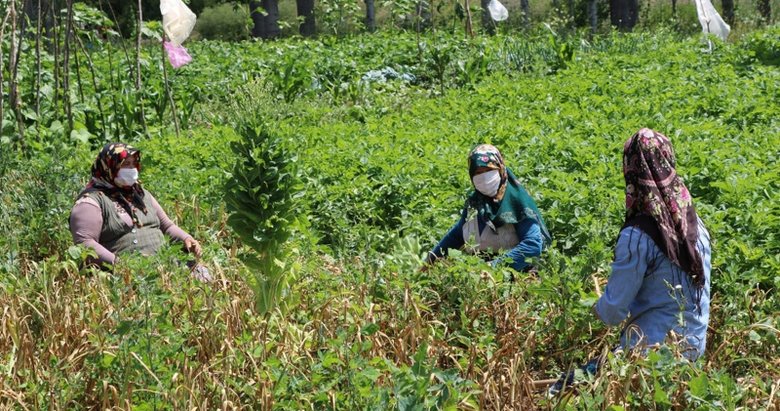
{"x":193,"y":246}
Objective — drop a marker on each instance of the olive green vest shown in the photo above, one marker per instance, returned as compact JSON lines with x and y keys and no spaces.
{"x":118,"y":237}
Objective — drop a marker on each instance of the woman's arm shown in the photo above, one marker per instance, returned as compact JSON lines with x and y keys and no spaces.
{"x":531,"y":245}
{"x":86,"y":222}
{"x":453,"y":239}
{"x":628,"y":272}
{"x":166,"y":225}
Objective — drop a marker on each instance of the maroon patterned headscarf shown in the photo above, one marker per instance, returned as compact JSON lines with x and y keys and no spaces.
{"x":105,"y":169}
{"x":658,"y":202}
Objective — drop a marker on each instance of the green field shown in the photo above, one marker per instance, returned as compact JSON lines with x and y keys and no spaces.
{"x":326,"y":308}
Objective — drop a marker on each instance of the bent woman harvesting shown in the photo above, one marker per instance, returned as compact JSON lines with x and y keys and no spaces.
{"x":499,"y":216}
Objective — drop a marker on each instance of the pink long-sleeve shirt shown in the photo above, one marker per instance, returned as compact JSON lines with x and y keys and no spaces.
{"x":86,"y":223}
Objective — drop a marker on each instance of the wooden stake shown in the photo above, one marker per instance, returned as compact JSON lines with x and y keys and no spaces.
{"x":596,"y":284}
{"x":15,"y":54}
{"x":2,"y":37}
{"x":469,"y":29}
{"x":66,"y":66}
{"x":168,"y":90}
{"x":138,"y":96}
{"x":39,"y":32}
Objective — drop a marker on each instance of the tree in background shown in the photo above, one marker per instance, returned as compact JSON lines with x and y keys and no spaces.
{"x":370,"y":13}
{"x":765,"y":9}
{"x":728,"y":11}
{"x":624,"y":13}
{"x":265,"y":19}
{"x":306,"y":10}
{"x":487,"y":22}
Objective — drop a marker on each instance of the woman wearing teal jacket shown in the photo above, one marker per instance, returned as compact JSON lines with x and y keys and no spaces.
{"x":499,"y":218}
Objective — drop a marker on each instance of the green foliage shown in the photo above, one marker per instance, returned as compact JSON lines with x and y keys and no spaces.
{"x":261,"y":197}
{"x":226,"y":21}
{"x":323,"y":209}
{"x":290,"y":77}
{"x":338,"y":17}
{"x":763,"y":47}
{"x":423,"y":387}
{"x":564,"y":52}
{"x":35,"y":204}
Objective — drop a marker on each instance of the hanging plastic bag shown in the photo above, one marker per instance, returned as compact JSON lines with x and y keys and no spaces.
{"x":497,"y":10}
{"x":710,"y":20}
{"x":178,"y":20}
{"x":177,"y":55}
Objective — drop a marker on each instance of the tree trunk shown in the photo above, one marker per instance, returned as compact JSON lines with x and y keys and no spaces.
{"x":469,"y":25}
{"x":765,"y":9}
{"x":306,"y":10}
{"x":526,"y":8}
{"x":265,"y":22}
{"x":593,"y":15}
{"x":487,"y":22}
{"x":370,"y":13}
{"x":728,"y":11}
{"x":624,"y":14}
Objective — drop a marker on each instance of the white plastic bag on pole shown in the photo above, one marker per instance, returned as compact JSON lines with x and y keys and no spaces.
{"x":497,"y":10}
{"x":178,"y":20}
{"x":710,"y":20}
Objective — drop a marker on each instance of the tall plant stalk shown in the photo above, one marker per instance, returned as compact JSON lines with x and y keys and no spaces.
{"x":469,"y":27}
{"x":91,"y":67}
{"x":56,"y":49}
{"x":13,"y":88}
{"x":139,"y":97}
{"x":2,"y":82}
{"x":112,"y":80}
{"x":78,"y":72}
{"x":66,"y":65}
{"x":38,"y":31}
{"x":168,"y":91}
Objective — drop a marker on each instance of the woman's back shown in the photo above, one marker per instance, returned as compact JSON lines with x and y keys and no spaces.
{"x":646,"y":285}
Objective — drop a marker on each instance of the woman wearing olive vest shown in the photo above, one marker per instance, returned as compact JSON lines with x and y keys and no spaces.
{"x":114,"y":214}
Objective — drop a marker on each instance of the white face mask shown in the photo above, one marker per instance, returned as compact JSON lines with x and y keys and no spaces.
{"x":126,"y":177}
{"x":487,"y":183}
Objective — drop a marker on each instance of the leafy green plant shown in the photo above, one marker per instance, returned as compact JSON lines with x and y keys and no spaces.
{"x":438,"y":59}
{"x":338,"y":17}
{"x":424,"y":387}
{"x":563,"y":52}
{"x":290,"y":77}
{"x":472,"y":69}
{"x":261,"y":198}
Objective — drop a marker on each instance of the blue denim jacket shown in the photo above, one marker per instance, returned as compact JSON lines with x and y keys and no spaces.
{"x":655,"y":294}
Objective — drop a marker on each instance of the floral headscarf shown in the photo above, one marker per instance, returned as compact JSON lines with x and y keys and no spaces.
{"x":658,"y":202}
{"x":511,"y":204}
{"x":105,"y":169}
